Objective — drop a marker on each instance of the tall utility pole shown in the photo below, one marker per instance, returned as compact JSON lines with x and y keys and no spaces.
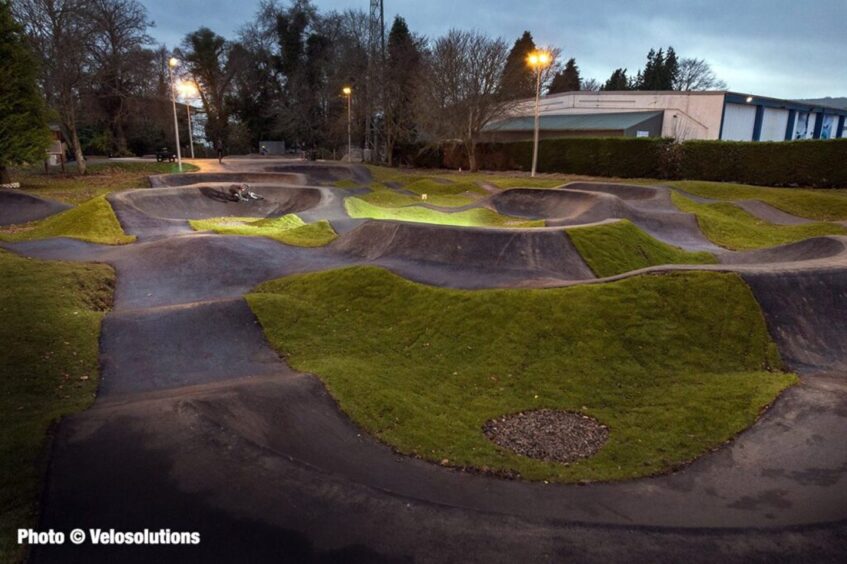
{"x":172,"y":63}
{"x":376,"y":64}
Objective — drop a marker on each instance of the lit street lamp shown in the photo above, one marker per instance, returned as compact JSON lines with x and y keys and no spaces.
{"x":349,"y":93}
{"x":187,"y":90}
{"x":538,"y":60}
{"x":172,"y":63}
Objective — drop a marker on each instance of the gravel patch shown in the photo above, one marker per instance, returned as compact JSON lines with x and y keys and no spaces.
{"x":547,"y":434}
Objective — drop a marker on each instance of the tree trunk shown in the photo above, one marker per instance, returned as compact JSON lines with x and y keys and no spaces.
{"x":5,"y":177}
{"x":389,"y":148}
{"x":473,"y":166}
{"x":118,"y":137}
{"x":77,"y":148}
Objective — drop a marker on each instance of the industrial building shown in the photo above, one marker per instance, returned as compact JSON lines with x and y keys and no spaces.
{"x":730,"y":116}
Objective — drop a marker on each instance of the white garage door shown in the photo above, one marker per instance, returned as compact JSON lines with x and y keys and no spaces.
{"x":738,"y":121}
{"x":774,"y":124}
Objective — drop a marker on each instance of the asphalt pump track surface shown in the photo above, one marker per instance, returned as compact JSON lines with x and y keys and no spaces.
{"x":200,"y":426}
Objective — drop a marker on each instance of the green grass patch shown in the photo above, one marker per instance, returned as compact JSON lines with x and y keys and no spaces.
{"x":93,"y":221}
{"x":50,"y":315}
{"x":347,"y":184}
{"x":388,"y":198}
{"x":615,"y":248}
{"x":288,"y":229}
{"x":729,"y":226}
{"x":477,"y":217}
{"x":100,"y":179}
{"x":824,"y":205}
{"x":674,"y":364}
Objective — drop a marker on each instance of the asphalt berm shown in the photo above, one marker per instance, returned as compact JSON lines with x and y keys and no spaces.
{"x":200,"y":426}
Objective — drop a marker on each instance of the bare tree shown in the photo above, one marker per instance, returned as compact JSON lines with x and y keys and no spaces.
{"x":116,"y":42}
{"x":459,"y":93}
{"x":696,"y":74}
{"x":60,"y":34}
{"x":591,"y":85}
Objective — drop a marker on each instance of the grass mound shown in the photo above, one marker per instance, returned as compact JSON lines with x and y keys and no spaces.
{"x":478,"y":217}
{"x":101,"y":178}
{"x":615,"y":248}
{"x":94,"y":221}
{"x":388,"y":198}
{"x":674,"y":365}
{"x":824,"y":205}
{"x":731,"y":227}
{"x":288,"y":229}
{"x":51,"y":313}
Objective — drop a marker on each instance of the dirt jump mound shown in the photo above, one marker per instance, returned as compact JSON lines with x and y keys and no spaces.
{"x":541,"y":251}
{"x":20,"y":207}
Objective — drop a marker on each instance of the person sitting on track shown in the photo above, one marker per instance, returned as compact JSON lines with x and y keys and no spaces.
{"x":242,"y":193}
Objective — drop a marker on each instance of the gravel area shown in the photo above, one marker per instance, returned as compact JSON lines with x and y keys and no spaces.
{"x":547,"y":434}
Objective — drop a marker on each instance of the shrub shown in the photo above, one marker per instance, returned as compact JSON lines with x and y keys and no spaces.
{"x":818,"y":163}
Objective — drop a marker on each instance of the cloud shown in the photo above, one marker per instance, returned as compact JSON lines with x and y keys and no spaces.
{"x":780,"y":48}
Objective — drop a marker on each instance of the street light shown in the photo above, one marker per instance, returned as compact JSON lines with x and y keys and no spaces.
{"x":173,"y":62}
{"x":538,"y":61}
{"x":187,"y":90}
{"x":349,"y":93}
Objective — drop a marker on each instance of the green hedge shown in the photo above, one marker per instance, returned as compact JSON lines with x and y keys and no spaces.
{"x":795,"y":163}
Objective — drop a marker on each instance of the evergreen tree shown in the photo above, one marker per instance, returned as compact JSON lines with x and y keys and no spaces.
{"x":23,"y":130}
{"x":618,"y":81}
{"x":402,"y":68}
{"x":660,"y":72}
{"x":670,"y":72}
{"x":566,"y":80}
{"x":518,"y":78}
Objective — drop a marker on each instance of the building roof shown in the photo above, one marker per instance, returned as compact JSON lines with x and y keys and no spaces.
{"x":575,"y":122}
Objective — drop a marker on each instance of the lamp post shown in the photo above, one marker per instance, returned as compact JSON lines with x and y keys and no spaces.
{"x":172,"y":63}
{"x":348,"y":91}
{"x":190,"y":133}
{"x":538,"y":60}
{"x":188,"y":91}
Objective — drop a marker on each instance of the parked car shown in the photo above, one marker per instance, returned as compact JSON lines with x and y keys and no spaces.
{"x":165,"y":154}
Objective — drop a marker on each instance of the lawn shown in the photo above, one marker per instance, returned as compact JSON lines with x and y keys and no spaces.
{"x":101,"y":178}
{"x":615,"y":248}
{"x":477,"y":217}
{"x":404,"y":177}
{"x":387,"y":197}
{"x":821,"y":204}
{"x":93,"y":221}
{"x":288,"y":229}
{"x":51,"y":313}
{"x":674,"y":365}
{"x":729,"y":226}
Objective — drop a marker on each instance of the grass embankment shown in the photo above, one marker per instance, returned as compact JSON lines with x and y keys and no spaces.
{"x":673,"y":364}
{"x":820,"y":204}
{"x":288,"y":229}
{"x":477,"y":217}
{"x":729,"y":226}
{"x":50,"y":315}
{"x":500,"y":180}
{"x":100,"y":179}
{"x":615,"y":248}
{"x":93,"y":221}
